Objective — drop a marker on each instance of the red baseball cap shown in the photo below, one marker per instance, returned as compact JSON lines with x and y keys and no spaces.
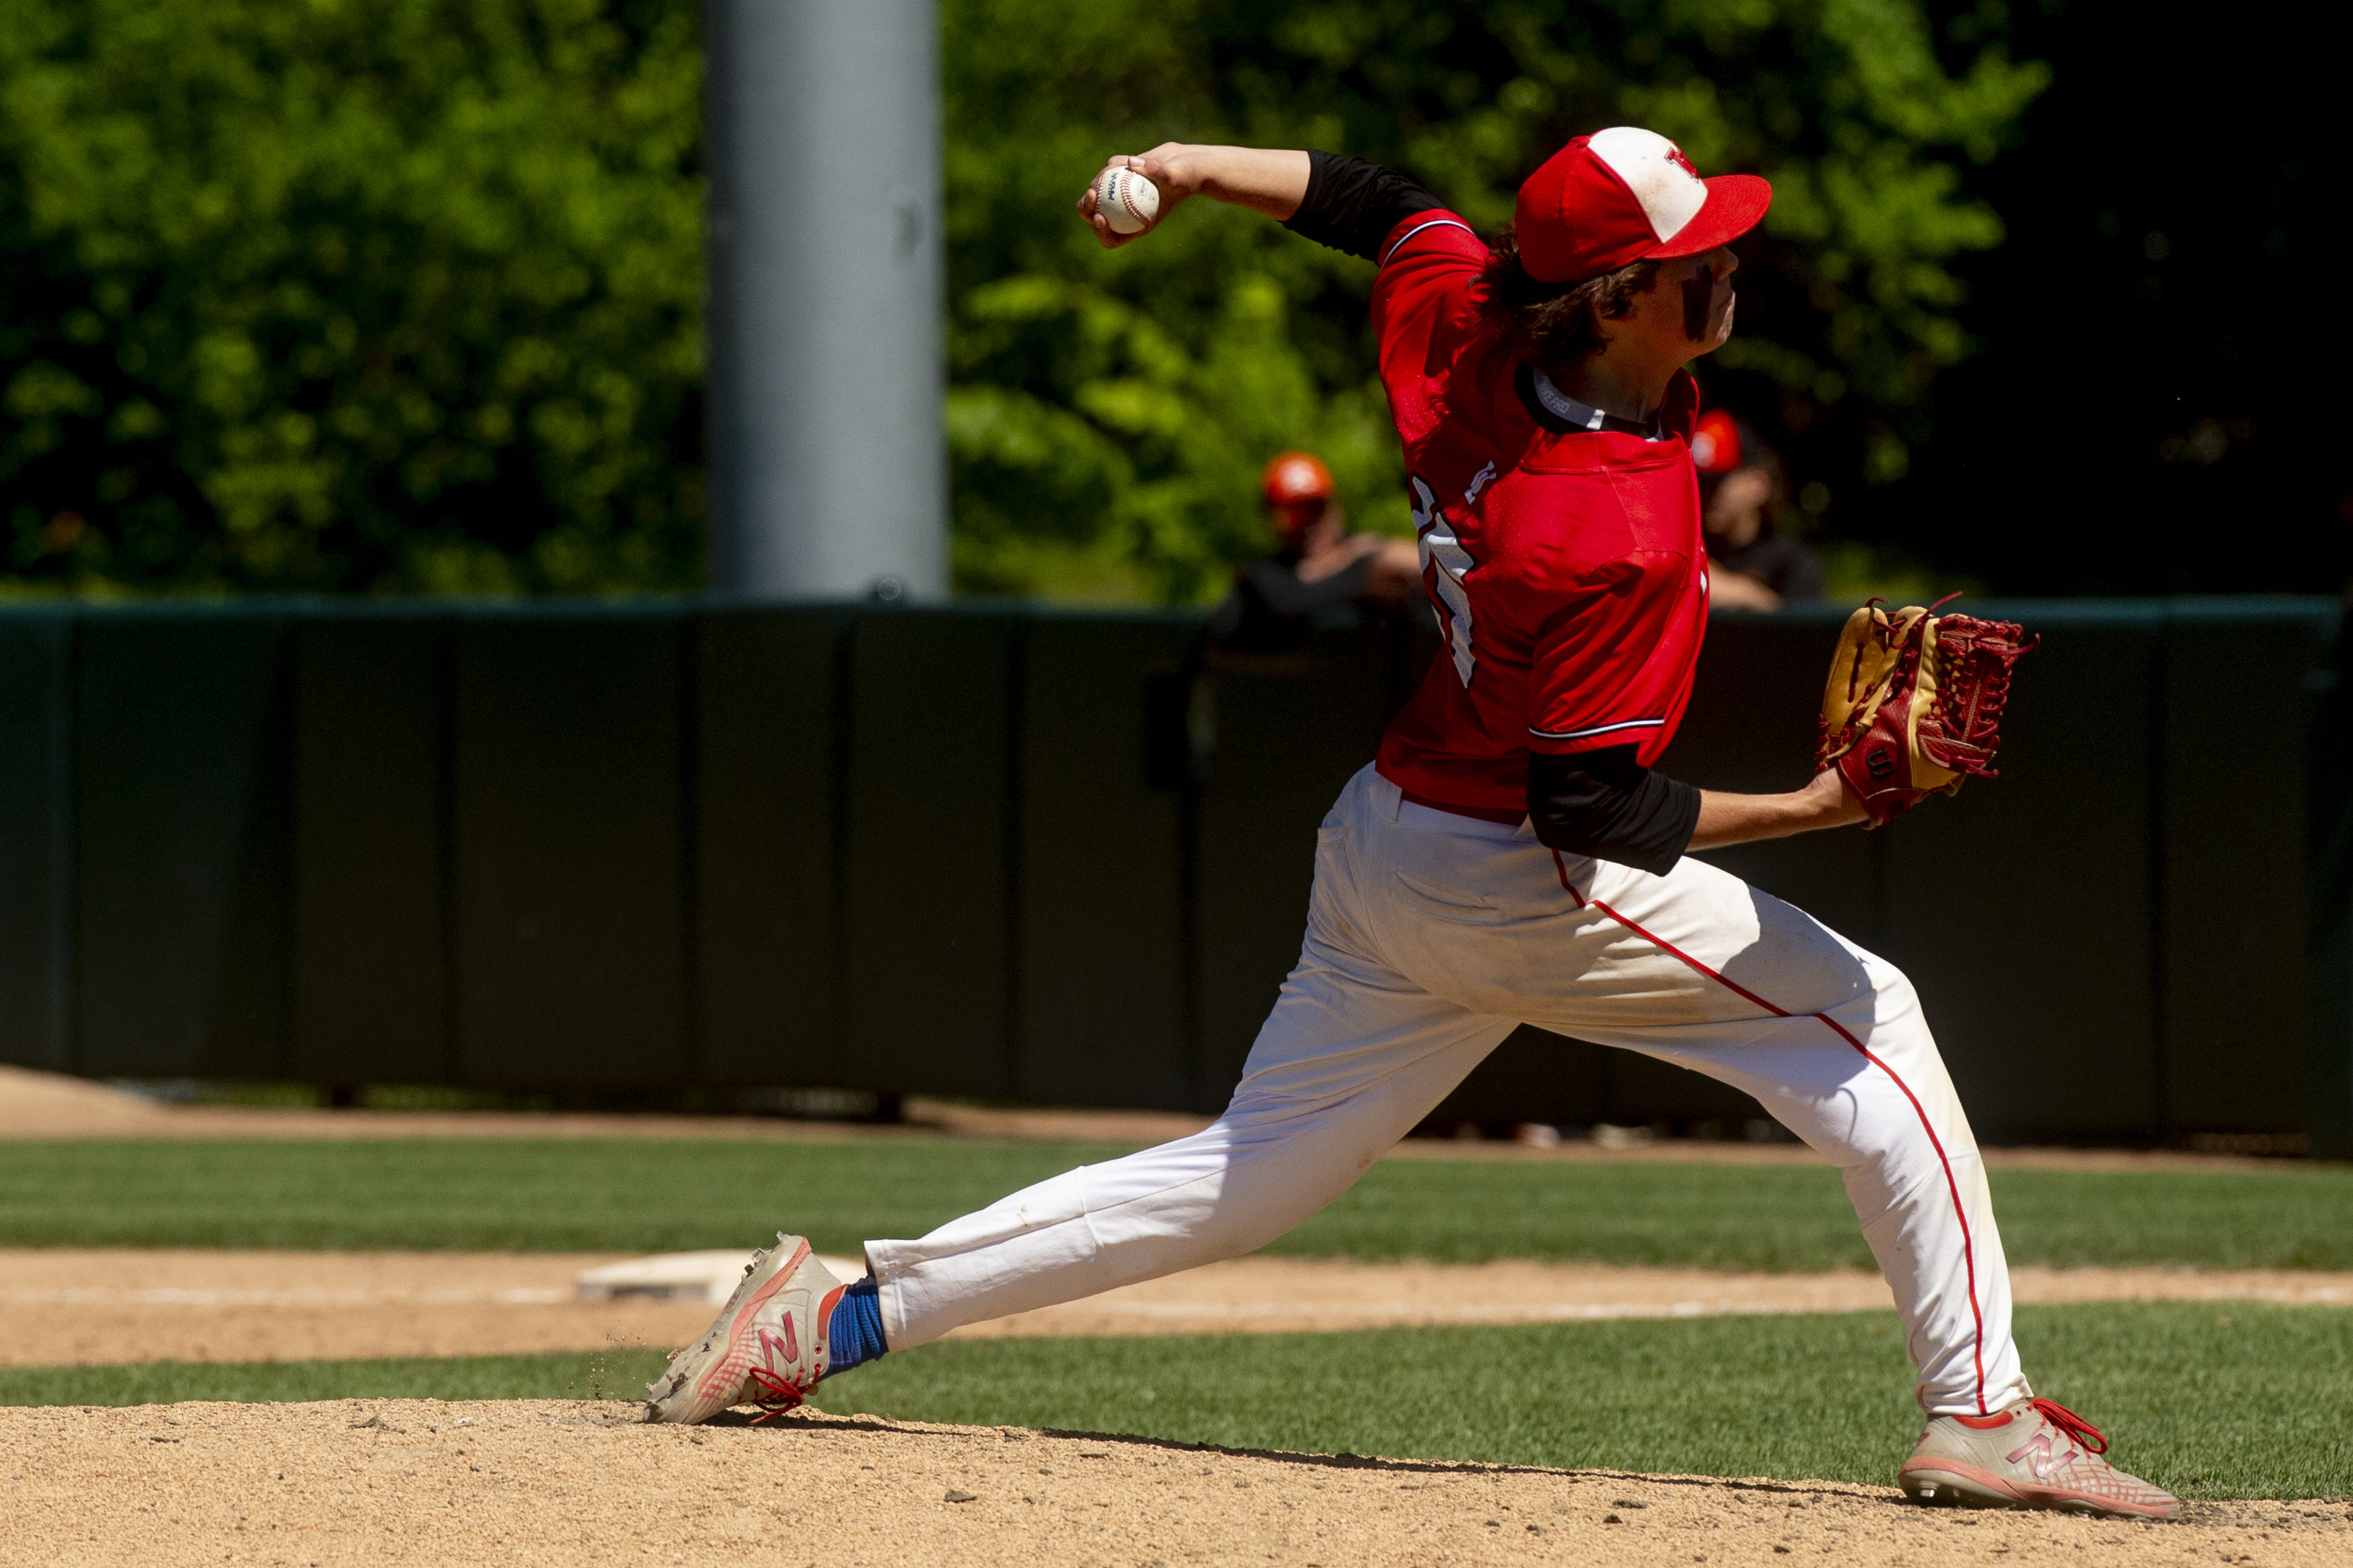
{"x":1623,"y":195}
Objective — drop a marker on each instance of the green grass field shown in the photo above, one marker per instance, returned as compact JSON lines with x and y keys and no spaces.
{"x":584,"y":1375}
{"x":641,"y":1195}
{"x":2264,"y":1407}
{"x":2248,"y":1401}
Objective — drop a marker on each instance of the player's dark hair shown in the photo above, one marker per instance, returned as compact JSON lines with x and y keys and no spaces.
{"x":1559,"y":324}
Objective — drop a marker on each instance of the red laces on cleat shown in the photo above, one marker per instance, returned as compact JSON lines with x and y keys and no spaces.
{"x":2075,"y":1426}
{"x":784,"y":1395}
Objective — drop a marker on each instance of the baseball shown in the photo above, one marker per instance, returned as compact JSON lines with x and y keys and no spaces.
{"x":1128,"y":200}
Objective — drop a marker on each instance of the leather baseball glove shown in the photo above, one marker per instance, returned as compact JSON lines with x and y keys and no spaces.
{"x":1913,"y":703}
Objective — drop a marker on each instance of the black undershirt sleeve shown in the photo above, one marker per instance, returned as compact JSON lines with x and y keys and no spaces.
{"x":1606,"y":805}
{"x":1351,"y":205}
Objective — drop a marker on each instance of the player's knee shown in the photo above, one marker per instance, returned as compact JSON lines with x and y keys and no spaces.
{"x":1892,"y":998}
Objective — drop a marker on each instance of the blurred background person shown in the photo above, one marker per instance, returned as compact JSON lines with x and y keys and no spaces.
{"x":1743,"y":491}
{"x":1316,"y":564}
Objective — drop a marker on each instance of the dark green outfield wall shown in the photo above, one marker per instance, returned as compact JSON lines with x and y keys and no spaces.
{"x":1052,"y":856}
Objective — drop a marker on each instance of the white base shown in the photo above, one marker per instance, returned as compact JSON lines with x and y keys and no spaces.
{"x":708,"y":1277}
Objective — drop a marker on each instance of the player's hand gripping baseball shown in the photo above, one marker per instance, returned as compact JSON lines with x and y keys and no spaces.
{"x":1264,"y":180}
{"x":1162,"y":167}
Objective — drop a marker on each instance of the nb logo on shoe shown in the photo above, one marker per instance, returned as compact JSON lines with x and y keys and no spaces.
{"x":783,"y":1350}
{"x":2045,"y":1463}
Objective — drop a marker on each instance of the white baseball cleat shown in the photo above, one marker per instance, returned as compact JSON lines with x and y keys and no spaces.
{"x":766,"y":1349}
{"x":2036,"y":1453}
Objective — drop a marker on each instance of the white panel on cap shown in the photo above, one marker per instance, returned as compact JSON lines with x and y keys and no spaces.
{"x":1655,"y":169}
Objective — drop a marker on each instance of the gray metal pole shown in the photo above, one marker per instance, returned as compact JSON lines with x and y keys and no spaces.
{"x":828,"y":459}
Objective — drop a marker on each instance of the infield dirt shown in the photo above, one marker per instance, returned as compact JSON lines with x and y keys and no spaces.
{"x":67,"y":1306}
{"x":422,"y":1481}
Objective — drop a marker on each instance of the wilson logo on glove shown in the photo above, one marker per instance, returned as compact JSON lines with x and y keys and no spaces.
{"x":1913,"y":703}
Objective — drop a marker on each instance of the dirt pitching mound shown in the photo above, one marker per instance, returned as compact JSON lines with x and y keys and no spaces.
{"x":423,"y":1481}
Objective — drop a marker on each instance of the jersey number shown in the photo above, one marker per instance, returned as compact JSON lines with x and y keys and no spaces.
{"x":1444,"y":562}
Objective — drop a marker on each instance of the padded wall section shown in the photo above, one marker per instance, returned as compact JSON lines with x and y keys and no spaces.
{"x":2024,"y":910}
{"x":926,"y":902}
{"x":35,"y":846}
{"x":180,"y":817}
{"x":1100,"y":985}
{"x":372,"y":993}
{"x":767,"y":958}
{"x":570,"y":737}
{"x":996,"y":852}
{"x":2328,"y":774}
{"x":2233,"y":980}
{"x":1290,"y":732}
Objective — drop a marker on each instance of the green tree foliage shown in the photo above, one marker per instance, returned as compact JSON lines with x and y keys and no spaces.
{"x":404,"y":294}
{"x":1108,"y":412}
{"x":350,"y":294}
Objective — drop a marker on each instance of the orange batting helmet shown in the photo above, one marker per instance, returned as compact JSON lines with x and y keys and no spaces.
{"x":1715,"y":444}
{"x":1298,"y":490}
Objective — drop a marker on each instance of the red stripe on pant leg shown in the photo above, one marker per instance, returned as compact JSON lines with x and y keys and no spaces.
{"x":1952,"y":1184}
{"x":1704,"y":969}
{"x":1561,"y":866}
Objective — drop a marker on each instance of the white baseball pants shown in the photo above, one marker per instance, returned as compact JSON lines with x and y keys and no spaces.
{"x":1430,"y":937}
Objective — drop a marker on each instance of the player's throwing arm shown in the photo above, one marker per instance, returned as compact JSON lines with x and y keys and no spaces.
{"x":1134,"y":196}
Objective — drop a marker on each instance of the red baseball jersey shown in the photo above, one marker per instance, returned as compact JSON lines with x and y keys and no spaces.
{"x":1563,"y":556}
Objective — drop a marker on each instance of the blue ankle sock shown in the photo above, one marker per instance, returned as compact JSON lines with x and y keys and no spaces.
{"x":855,"y":1332}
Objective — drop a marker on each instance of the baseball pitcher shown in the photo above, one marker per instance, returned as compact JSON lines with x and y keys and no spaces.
{"x":1513,"y":854}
